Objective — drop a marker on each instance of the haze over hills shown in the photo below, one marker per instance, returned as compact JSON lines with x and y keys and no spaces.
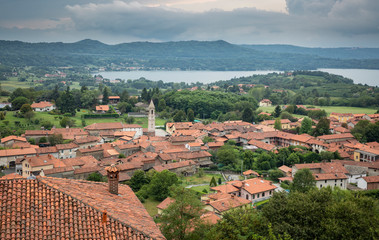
{"x":184,"y":55}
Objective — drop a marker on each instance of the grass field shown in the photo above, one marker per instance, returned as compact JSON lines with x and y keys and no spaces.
{"x":194,"y":180}
{"x":55,"y":120}
{"x":330,"y":109}
{"x":151,"y":206}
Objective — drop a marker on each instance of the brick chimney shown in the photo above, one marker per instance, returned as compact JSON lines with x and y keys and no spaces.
{"x":113,"y":175}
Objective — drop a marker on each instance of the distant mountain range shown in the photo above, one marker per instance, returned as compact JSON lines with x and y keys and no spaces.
{"x":194,"y":55}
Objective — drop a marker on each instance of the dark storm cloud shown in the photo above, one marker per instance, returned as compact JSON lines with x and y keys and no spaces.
{"x":308,"y":22}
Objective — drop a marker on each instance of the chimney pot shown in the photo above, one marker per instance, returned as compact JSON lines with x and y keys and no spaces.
{"x":113,"y":176}
{"x":104,"y":218}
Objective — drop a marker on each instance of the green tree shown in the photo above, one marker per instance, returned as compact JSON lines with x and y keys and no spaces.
{"x":306,"y":125}
{"x":124,"y":96}
{"x":130,"y":120}
{"x":277,"y":111}
{"x":66,"y":121}
{"x":228,"y":155}
{"x":66,"y":102}
{"x":159,"y":186}
{"x":55,"y":139}
{"x":239,"y":224}
{"x":275,"y":174}
{"x":180,"y":116}
{"x":25,"y":108}
{"x":161,"y":105}
{"x":181,"y":218}
{"x":138,"y":180}
{"x":106,"y":93}
{"x":303,"y":181}
{"x":322,"y":127}
{"x":247,"y":115}
{"x":18,"y":102}
{"x":124,"y":107}
{"x":278,"y":124}
{"x":213,"y":183}
{"x":42,"y":140}
{"x":95,"y":177}
{"x":29,"y":115}
{"x":190,"y":115}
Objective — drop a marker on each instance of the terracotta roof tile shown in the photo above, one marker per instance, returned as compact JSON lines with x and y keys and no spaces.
{"x":41,"y":104}
{"x":175,"y":165}
{"x":165,"y":203}
{"x":14,"y":138}
{"x":52,"y":208}
{"x":371,"y":179}
{"x":226,"y":204}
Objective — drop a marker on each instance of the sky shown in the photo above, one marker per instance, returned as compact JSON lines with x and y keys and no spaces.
{"x":311,"y":23}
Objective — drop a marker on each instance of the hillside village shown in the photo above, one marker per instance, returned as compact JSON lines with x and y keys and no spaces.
{"x":271,"y":151}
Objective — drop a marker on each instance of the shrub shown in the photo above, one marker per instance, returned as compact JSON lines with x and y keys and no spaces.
{"x":42,"y":140}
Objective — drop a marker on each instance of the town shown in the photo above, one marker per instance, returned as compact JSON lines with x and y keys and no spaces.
{"x":60,"y":160}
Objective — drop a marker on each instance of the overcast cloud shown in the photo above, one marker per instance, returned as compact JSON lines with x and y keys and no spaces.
{"x":300,"y":22}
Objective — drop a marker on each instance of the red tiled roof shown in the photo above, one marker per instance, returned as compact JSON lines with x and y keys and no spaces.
{"x":71,"y":209}
{"x":14,"y":138}
{"x":290,"y":179}
{"x":329,"y":176}
{"x":249,"y":172}
{"x":336,"y":136}
{"x":113,"y":97}
{"x":210,"y":218}
{"x":371,"y":179}
{"x":66,"y":146}
{"x":102,"y":108}
{"x":226,"y":204}
{"x":175,"y":165}
{"x":165,"y":203}
{"x":284,"y":168}
{"x":41,"y":105}
{"x":11,"y":176}
{"x":44,"y":160}
{"x":262,"y":145}
{"x":105,"y":126}
{"x":17,"y":152}
{"x":329,"y":167}
{"x":228,"y":188}
{"x":257,"y":185}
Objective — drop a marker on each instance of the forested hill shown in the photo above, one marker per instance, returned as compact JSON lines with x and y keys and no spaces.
{"x":337,"y":53}
{"x":185,"y":55}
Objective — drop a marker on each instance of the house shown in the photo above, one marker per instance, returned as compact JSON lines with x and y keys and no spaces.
{"x":336,"y":137}
{"x":87,"y":141}
{"x":95,"y":128}
{"x":286,"y":170}
{"x":67,"y":150}
{"x":265,"y":103}
{"x":32,"y":166}
{"x":368,"y":183}
{"x":223,"y":205}
{"x":173,"y":126}
{"x":366,"y":154}
{"x":102,"y":109}
{"x":114,"y":100}
{"x":43,"y":106}
{"x":342,"y":117}
{"x":10,"y":140}
{"x":271,"y":123}
{"x":250,"y":173}
{"x":331,"y":174}
{"x":8,"y":156}
{"x":58,"y":208}
{"x":164,"y":204}
{"x":255,"y":189}
{"x":186,"y":168}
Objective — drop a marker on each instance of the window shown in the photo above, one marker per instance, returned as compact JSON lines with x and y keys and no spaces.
{"x":341,"y":184}
{"x":258,"y":195}
{"x":325,"y":181}
{"x":320,"y":185}
{"x":263,"y":194}
{"x":253,"y":196}
{"x":247,"y":196}
{"x":341,"y":179}
{"x":335,"y":180}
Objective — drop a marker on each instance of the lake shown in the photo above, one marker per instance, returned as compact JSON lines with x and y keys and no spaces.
{"x":363,"y":76}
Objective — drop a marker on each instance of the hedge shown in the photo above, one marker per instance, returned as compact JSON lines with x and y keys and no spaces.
{"x":107,"y":115}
